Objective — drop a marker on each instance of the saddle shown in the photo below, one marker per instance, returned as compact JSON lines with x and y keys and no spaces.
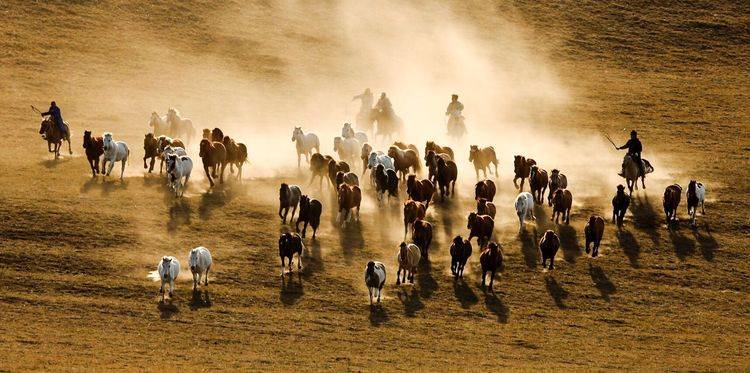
{"x":54,"y":133}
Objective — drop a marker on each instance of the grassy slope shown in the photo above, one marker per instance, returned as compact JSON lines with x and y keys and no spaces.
{"x":72,"y":273}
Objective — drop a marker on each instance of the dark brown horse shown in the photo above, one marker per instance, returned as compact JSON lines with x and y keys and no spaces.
{"x":620,"y":203}
{"x":431,"y":162}
{"x":319,"y":167}
{"x":217,"y":135}
{"x":420,"y":190}
{"x":334,"y":168}
{"x":446,"y":176}
{"x":150,"y":150}
{"x":522,"y":168}
{"x":309,"y":213}
{"x":460,"y":252}
{"x":290,"y":244}
{"x":562,"y":201}
{"x":421,"y":235}
{"x":236,"y":155}
{"x":52,"y":134}
{"x":548,"y":245}
{"x":94,"y":149}
{"x":481,"y":227}
{"x":485,"y":189}
{"x":431,"y":145}
{"x":485,"y":207}
{"x":413,"y":210}
{"x":538,"y":181}
{"x":672,"y":196}
{"x":349,"y":197}
{"x":482,"y":158}
{"x":491,"y":261}
{"x":594,"y":231}
{"x":214,"y":156}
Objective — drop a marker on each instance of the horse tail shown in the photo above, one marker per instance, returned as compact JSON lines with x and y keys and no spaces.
{"x":242,"y":156}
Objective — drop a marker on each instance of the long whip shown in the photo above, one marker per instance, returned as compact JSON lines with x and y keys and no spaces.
{"x":35,"y":109}
{"x":610,"y":140}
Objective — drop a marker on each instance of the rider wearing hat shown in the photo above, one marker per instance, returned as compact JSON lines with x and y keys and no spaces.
{"x":54,"y":113}
{"x":635,"y":148}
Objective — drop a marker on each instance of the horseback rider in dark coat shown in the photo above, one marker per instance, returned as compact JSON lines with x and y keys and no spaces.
{"x":56,"y":115}
{"x":635,"y":148}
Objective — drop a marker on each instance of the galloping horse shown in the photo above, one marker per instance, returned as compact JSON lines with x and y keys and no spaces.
{"x":389,"y":126}
{"x":178,"y":126}
{"x":631,"y":172}
{"x":159,"y":124}
{"x":51,"y":133}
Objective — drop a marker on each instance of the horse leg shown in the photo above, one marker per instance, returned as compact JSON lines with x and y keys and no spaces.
{"x":110,"y":167}
{"x":398,"y":276}
{"x":299,"y":158}
{"x":122,"y":169}
{"x":208,"y":175}
{"x":294,"y":210}
{"x":151,"y":166}
{"x":643,"y":181}
{"x":282,"y":265}
{"x":492,"y":279}
{"x":484,"y":275}
{"x":144,"y":161}
{"x":370,"y":290}
{"x":299,"y":260}
{"x":206,"y":280}
{"x":496,"y":174}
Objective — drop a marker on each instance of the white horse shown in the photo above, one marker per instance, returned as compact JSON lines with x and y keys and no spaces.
{"x":180,"y":127}
{"x":408,"y":258}
{"x":375,"y":278}
{"x":696,"y":195}
{"x":200,"y":263}
{"x":524,"y":208}
{"x":348,"y":132}
{"x":158,"y":123}
{"x":115,"y":151}
{"x":347,"y":149}
{"x":169,"y":150}
{"x":179,"y":167}
{"x":169,"y":269}
{"x":305,"y":143}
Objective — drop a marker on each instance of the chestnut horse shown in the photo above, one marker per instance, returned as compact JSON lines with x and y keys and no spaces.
{"x":236,"y":155}
{"x":150,"y":150}
{"x":51,"y":133}
{"x":481,"y":227}
{"x":460,"y":252}
{"x":413,"y":211}
{"x":420,"y":190}
{"x":522,"y":168}
{"x":538,"y":183}
{"x":319,"y":167}
{"x":421,"y":235}
{"x":491,"y":260}
{"x":485,"y":207}
{"x":404,"y":146}
{"x":430,"y":145}
{"x":334,"y":168}
{"x":217,"y":134}
{"x":620,"y":203}
{"x":672,"y":196}
{"x":485,"y":189}
{"x":404,"y":159}
{"x":431,"y":162}
{"x":94,"y":149}
{"x":482,"y":158}
{"x":594,"y":231}
{"x":214,"y":156}
{"x":349,"y":197}
{"x":562,"y":201}
{"x":447,"y":173}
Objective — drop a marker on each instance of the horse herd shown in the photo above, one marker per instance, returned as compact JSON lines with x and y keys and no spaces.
{"x":392,"y":171}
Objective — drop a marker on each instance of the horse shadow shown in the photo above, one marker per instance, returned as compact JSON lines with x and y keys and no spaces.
{"x":351,"y":239}
{"x":167,"y":310}
{"x":200,"y":299}
{"x":683,"y":245}
{"x":569,"y":243}
{"x":313,"y":260}
{"x":291,"y":291}
{"x":629,"y":246}
{"x":601,"y":281}
{"x":106,"y":186}
{"x":556,"y":291}
{"x":496,"y":306}
{"x":411,"y":301}
{"x":54,"y":162}
{"x":529,"y":248}
{"x":466,"y":297}
{"x":427,"y":283}
{"x":645,"y":217}
{"x":179,"y":214}
{"x":212,"y":199}
{"x":378,"y":315}
{"x":707,"y":243}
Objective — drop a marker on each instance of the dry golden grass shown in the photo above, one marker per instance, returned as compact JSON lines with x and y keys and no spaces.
{"x":75,"y":251}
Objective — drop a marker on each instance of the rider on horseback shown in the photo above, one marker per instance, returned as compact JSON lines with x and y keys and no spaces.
{"x":366,"y":99}
{"x":454,"y":110}
{"x":54,"y":113}
{"x":635,"y":148}
{"x":384,"y":104}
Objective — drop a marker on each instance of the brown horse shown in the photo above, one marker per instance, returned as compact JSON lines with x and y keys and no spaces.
{"x":421,"y":235}
{"x":446,"y":176}
{"x":319,"y":167}
{"x":485,"y":207}
{"x":290,"y":244}
{"x":522,"y":168}
{"x":206,"y":134}
{"x":413,"y":210}
{"x":214,"y":156}
{"x":404,"y":146}
{"x":482,"y":158}
{"x":557,"y":181}
{"x":150,"y":150}
{"x":334,"y":168}
{"x":236,"y":155}
{"x":94,"y":149}
{"x":420,"y":190}
{"x":404,"y":159}
{"x":672,"y":196}
{"x":51,"y":133}
{"x":349,"y":197}
{"x":491,"y":260}
{"x":548,"y":245}
{"x":620,"y":203}
{"x":309,"y":213}
{"x":217,"y":135}
{"x":481,"y":227}
{"x":594,"y":231}
{"x":460,"y":252}
{"x":562,"y":201}
{"x":485,"y":189}
{"x":431,"y":145}
{"x":538,"y":181}
{"x":431,"y":162}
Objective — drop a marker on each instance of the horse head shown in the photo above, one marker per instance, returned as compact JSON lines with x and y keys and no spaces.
{"x":471,"y":219}
{"x":284,"y":192}
{"x":107,"y":141}
{"x":171,"y":163}
{"x":45,"y":125}
{"x":473,"y":150}
{"x":296,"y":133}
{"x":166,"y":263}
{"x":205,"y":146}
{"x":557,"y":197}
{"x":193,"y":260}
